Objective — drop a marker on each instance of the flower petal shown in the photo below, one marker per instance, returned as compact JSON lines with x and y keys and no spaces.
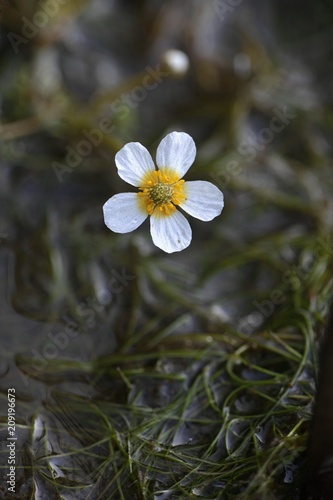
{"x":203,"y":200}
{"x":176,"y":152}
{"x":122,"y":213}
{"x":133,"y":162}
{"x":171,"y":233}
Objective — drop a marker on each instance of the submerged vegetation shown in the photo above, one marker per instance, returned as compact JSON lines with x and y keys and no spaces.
{"x":142,"y":375}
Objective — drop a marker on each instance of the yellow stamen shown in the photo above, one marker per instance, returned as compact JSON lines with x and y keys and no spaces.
{"x":160,"y":191}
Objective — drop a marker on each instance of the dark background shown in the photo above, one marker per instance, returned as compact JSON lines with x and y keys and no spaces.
{"x":140,"y":374}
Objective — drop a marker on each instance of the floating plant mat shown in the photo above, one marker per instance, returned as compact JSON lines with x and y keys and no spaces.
{"x":206,"y":415}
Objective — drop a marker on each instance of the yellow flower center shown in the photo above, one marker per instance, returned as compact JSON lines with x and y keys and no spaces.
{"x":160,"y":191}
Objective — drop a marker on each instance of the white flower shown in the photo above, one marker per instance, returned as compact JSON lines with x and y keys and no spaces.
{"x":176,"y":62}
{"x":160,"y":192}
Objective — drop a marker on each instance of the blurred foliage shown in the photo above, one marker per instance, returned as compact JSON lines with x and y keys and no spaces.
{"x":139,"y":374}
